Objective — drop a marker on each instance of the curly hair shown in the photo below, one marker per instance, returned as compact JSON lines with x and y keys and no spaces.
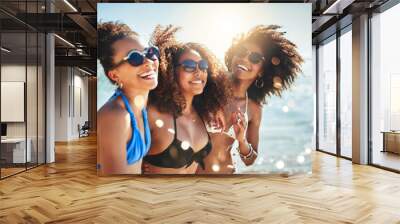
{"x":167,"y":96}
{"x":282,"y":61}
{"x":107,"y":34}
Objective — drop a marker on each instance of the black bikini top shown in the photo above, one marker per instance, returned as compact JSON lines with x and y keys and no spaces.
{"x":174,"y":156}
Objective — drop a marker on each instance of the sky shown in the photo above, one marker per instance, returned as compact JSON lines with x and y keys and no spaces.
{"x":214,"y":25}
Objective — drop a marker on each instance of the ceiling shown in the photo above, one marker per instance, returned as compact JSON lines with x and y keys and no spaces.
{"x":332,"y":15}
{"x":75,"y":22}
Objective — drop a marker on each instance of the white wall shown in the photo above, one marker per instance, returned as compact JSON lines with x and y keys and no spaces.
{"x":33,"y":126}
{"x":16,"y":73}
{"x":71,"y":94}
{"x":80,"y":110}
{"x":61,"y":103}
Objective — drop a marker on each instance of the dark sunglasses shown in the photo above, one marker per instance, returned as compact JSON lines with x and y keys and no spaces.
{"x":253,"y":57}
{"x":136,"y":58}
{"x":191,"y":66}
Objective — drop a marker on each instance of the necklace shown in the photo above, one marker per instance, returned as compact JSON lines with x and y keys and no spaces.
{"x":239,"y":98}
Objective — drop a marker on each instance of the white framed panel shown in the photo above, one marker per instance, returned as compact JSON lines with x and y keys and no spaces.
{"x":12,"y":101}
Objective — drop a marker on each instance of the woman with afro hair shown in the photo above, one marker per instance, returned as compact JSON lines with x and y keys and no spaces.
{"x":192,"y":89}
{"x":262,"y":63}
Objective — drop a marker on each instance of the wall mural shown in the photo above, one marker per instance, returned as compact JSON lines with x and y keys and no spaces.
{"x":204,"y":88}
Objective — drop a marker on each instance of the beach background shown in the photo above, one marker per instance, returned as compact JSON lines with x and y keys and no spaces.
{"x":287,"y":131}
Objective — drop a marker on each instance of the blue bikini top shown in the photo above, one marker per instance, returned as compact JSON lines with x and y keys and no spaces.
{"x":136,"y":148}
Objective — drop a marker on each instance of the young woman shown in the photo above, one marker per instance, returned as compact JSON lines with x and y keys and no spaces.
{"x":123,"y":129}
{"x":262,"y":63}
{"x":191,"y":91}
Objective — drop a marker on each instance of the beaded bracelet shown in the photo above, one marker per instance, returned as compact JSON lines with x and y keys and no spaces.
{"x":249,"y":154}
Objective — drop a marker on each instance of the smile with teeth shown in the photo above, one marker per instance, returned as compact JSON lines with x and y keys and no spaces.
{"x":197,"y":82}
{"x":242,"y":67}
{"x":148,"y":75}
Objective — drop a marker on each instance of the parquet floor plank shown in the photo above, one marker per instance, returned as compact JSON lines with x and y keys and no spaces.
{"x":69,"y":191}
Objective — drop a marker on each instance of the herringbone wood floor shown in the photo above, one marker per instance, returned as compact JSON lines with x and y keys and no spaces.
{"x":69,"y":191}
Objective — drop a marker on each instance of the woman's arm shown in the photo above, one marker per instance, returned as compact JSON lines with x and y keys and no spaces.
{"x":253,"y":132}
{"x":113,"y":132}
{"x":248,"y":145}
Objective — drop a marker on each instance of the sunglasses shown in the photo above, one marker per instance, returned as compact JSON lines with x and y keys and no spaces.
{"x":191,"y":66}
{"x":253,"y":57}
{"x":136,"y":58}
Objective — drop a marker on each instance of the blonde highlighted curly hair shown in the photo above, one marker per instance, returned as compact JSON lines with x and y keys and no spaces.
{"x":282,"y":60}
{"x":167,"y":97}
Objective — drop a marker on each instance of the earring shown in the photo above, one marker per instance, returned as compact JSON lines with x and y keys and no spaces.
{"x":259,"y":83}
{"x":119,"y":85}
{"x":275,"y":61}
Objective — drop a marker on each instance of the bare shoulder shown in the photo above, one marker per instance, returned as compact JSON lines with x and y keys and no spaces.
{"x":113,"y":114}
{"x":154,"y":114}
{"x":152,"y":110}
{"x":255,"y":109}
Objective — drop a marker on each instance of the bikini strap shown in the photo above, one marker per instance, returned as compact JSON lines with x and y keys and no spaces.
{"x":137,"y":147}
{"x":147,"y":133}
{"x":127,"y":105}
{"x":247,"y":102}
{"x":205,"y":126}
{"x":175,"y":128}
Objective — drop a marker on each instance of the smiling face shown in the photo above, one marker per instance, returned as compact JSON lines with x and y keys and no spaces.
{"x":141,"y":77}
{"x":242,"y":68}
{"x":191,"y":83}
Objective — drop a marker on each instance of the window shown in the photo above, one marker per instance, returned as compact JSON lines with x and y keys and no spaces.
{"x":22,"y":76}
{"x":346,"y":94}
{"x":327,"y":96}
{"x":385,"y":89}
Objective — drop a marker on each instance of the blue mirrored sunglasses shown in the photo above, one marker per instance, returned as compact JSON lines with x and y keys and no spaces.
{"x":191,"y":65}
{"x":136,"y":58}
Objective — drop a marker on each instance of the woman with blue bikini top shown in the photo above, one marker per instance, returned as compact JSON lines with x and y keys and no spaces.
{"x":123,"y":133}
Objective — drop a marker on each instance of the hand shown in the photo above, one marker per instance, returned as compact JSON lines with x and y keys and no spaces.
{"x":217,"y":125}
{"x":239,"y":125}
{"x":220,"y":119}
{"x":145,"y":168}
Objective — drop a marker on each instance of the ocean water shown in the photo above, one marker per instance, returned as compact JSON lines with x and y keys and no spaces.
{"x":104,"y":87}
{"x":286,"y":134}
